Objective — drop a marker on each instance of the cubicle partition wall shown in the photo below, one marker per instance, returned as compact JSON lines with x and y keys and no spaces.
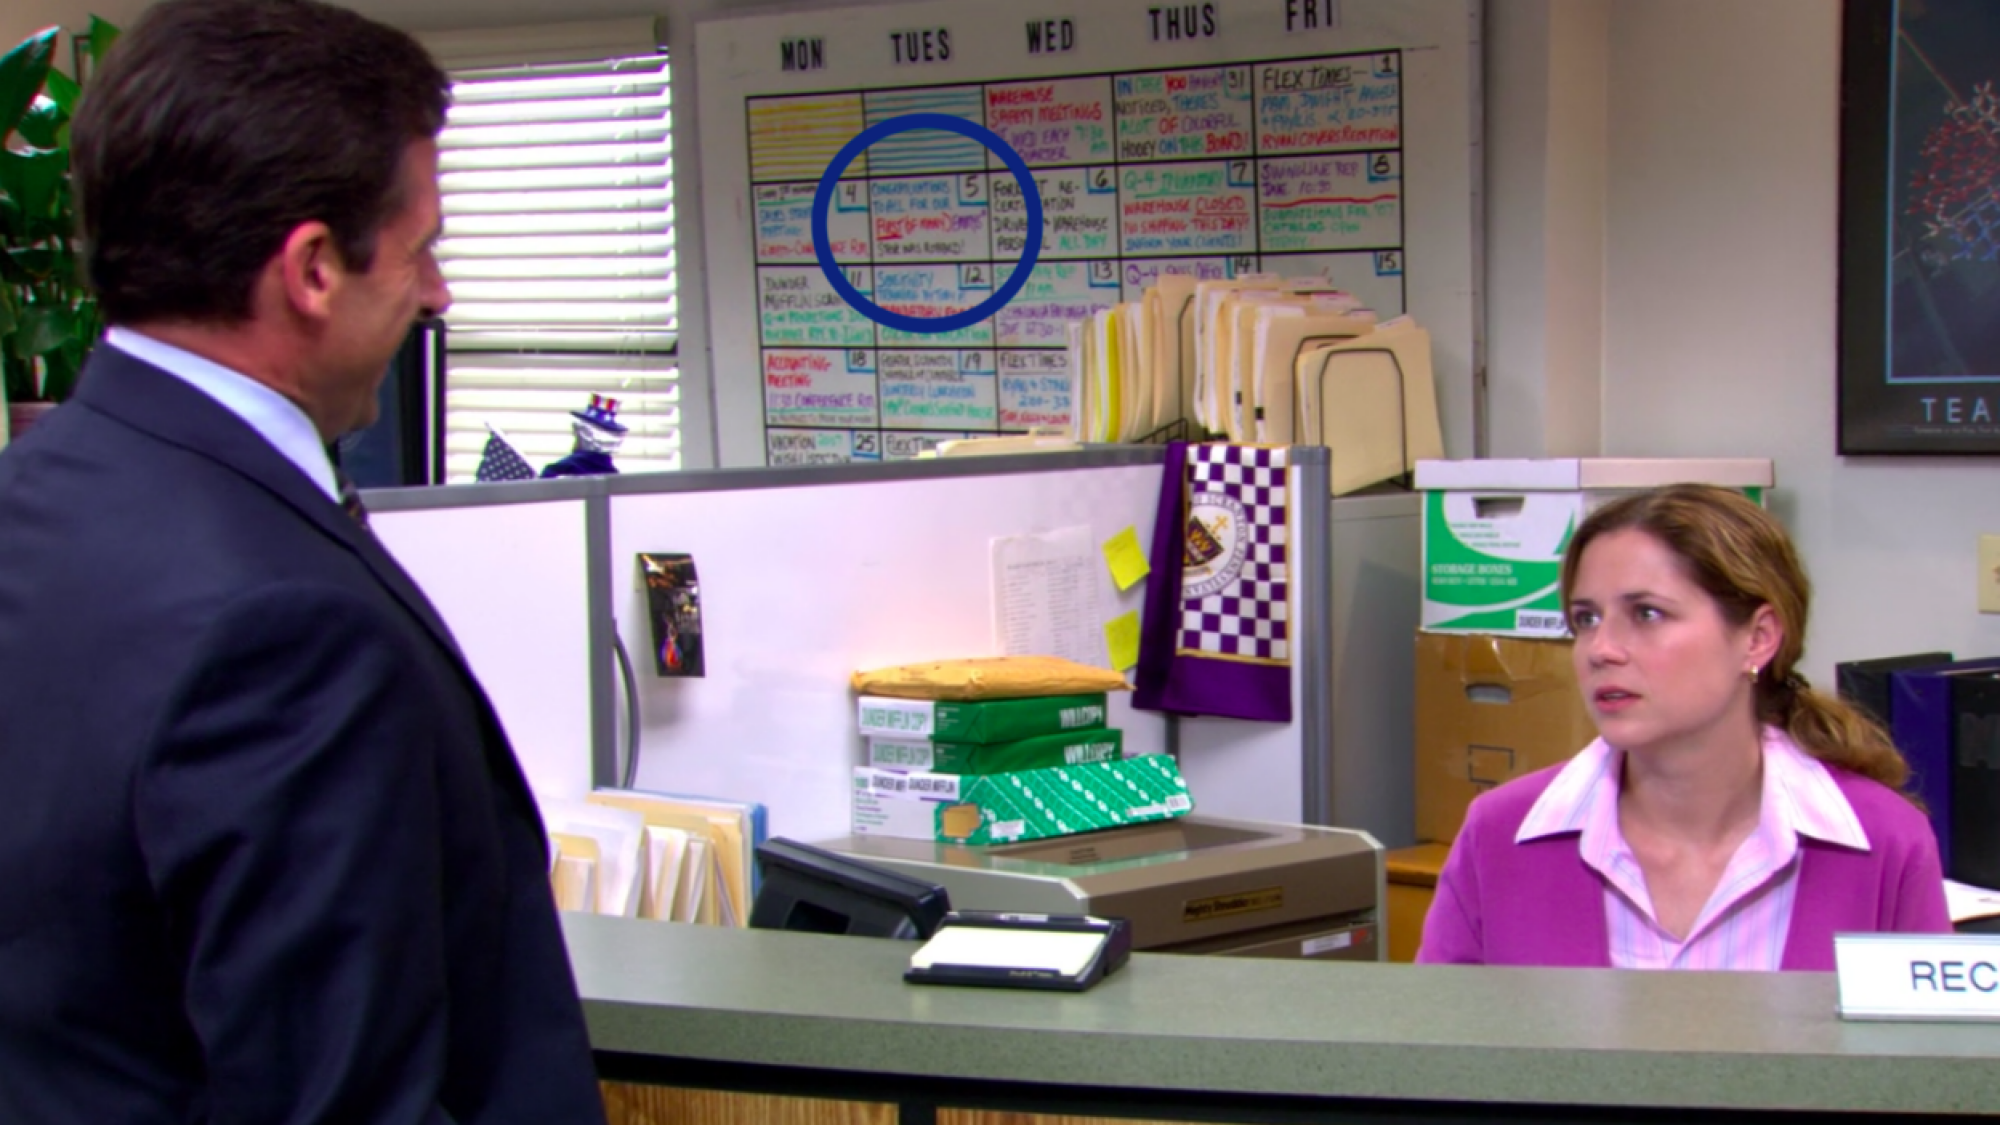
{"x":810,"y":574}
{"x":508,"y":568}
{"x":807,"y":574}
{"x":1374,"y":597}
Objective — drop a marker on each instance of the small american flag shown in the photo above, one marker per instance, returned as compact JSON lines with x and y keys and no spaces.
{"x":499,"y":461}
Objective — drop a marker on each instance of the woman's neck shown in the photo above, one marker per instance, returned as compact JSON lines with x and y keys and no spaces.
{"x":1697,"y":792}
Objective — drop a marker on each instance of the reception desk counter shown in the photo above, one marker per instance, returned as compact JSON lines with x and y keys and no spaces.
{"x":1234,"y":1039}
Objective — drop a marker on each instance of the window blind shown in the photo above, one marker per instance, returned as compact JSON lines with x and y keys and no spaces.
{"x":557,"y":182}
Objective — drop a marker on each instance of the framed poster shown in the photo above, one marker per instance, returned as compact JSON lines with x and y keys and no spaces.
{"x":1920,"y":227}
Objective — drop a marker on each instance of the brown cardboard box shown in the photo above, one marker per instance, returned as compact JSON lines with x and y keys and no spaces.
{"x":1413,"y":876}
{"x":1489,"y":709}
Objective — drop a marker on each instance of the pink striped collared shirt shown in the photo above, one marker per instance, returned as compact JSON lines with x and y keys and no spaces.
{"x":1748,"y":916}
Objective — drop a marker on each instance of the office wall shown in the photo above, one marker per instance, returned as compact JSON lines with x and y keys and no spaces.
{"x":1662,"y":209}
{"x":1719,"y":314}
{"x":1545,"y":150}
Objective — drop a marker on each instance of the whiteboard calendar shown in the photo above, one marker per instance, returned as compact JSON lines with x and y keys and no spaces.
{"x":1300,"y":137}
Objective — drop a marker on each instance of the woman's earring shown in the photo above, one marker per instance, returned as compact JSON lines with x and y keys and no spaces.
{"x":1750,"y":673}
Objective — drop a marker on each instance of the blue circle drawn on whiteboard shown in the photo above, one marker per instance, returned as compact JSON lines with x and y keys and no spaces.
{"x":823,"y":202}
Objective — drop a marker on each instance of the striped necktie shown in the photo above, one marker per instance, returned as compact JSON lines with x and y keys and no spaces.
{"x":350,"y":497}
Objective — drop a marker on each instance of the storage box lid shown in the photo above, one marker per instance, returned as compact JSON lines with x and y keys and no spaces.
{"x":1568,"y":474}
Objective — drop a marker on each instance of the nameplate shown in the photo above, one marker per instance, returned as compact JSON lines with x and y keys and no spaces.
{"x":1918,"y":976}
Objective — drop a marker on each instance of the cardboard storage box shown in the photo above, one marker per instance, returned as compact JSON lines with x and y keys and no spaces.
{"x":1072,"y":749}
{"x":1412,"y":883}
{"x":1489,"y":709}
{"x":1494,"y":531}
{"x":1005,"y":808}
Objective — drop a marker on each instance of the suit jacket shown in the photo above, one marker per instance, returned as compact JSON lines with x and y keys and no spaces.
{"x":265,"y":853}
{"x":1537,"y":903}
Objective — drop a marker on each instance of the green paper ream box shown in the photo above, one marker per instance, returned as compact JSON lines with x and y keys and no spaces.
{"x":997,"y":720}
{"x":1073,"y":748}
{"x":1006,"y":808}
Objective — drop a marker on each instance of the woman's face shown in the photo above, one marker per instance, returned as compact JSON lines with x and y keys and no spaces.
{"x":1659,"y":666}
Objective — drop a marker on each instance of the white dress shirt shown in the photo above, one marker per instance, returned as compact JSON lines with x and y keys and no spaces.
{"x":276,"y":418}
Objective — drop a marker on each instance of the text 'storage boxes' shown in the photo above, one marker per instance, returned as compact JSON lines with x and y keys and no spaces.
{"x":1006,"y":808}
{"x":1073,"y":748}
{"x":1494,"y":531}
{"x":997,"y":720}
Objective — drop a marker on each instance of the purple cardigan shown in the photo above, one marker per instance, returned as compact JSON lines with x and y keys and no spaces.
{"x":1538,"y":903}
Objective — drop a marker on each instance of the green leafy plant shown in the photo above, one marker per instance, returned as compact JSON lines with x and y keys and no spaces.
{"x":48,"y":318}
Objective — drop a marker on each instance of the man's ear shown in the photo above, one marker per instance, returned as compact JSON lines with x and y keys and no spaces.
{"x":312,"y":271}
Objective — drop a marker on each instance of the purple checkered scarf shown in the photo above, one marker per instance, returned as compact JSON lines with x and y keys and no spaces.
{"x":1215,"y":639}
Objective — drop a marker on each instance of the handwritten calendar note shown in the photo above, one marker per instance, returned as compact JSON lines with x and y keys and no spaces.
{"x":820,"y":447}
{"x":820,"y":387}
{"x":798,"y":307}
{"x":784,"y":224}
{"x":1347,"y":103}
{"x":934,"y":291}
{"x":1079,"y":214}
{"x":1287,"y":165}
{"x":1034,"y":389}
{"x":938,"y":388}
{"x":1185,"y":113}
{"x":1142,"y":272}
{"x":1330,"y":202}
{"x":1060,"y":121}
{"x":1188,"y":209}
{"x":930,"y":218}
{"x":1056,"y":295}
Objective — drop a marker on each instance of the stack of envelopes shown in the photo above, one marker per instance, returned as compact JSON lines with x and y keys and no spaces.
{"x":664,"y":856}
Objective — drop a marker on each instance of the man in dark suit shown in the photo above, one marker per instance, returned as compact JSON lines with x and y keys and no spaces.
{"x":265,"y":853}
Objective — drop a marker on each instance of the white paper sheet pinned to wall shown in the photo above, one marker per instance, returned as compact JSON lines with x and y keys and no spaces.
{"x":1045,"y":597}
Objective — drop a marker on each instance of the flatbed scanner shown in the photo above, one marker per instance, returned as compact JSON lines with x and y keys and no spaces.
{"x":1198,"y":884}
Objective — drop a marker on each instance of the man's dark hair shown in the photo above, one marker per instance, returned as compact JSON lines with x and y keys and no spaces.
{"x":216,"y":127}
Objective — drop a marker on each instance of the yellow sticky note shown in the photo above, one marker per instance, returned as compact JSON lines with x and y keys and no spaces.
{"x":1121,"y":636}
{"x":1125,"y":558}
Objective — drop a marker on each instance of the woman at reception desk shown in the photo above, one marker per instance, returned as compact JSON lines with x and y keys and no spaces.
{"x":1728,"y":816}
{"x":699,"y":1023}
